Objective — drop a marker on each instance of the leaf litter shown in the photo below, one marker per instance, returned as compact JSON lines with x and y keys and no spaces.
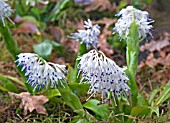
{"x":30,"y":102}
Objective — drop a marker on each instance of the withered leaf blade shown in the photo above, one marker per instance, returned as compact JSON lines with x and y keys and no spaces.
{"x":30,"y":102}
{"x":101,"y":5}
{"x":28,"y":27}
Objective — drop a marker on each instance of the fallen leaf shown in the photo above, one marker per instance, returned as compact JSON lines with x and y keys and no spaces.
{"x":58,"y":34}
{"x":103,"y":45}
{"x":151,"y":61}
{"x":101,"y":5}
{"x":79,"y":24}
{"x":30,"y":102}
{"x":156,"y":45}
{"x":107,"y":21}
{"x":28,"y":27}
{"x":156,"y":67}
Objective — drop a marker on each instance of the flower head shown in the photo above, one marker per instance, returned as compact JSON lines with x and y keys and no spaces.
{"x":103,"y":74}
{"x":88,"y":36}
{"x":127,"y":16}
{"x":41,"y":73}
{"x":5,"y":11}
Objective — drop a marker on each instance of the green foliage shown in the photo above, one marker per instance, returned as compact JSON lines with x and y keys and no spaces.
{"x":7,"y":85}
{"x":82,"y":50}
{"x":101,"y":110}
{"x":141,"y":100}
{"x":132,"y":59}
{"x":58,"y":9}
{"x":45,"y":48}
{"x":164,"y":95}
{"x":13,"y":49}
{"x":50,"y":93}
{"x":140,"y":111}
{"x":79,"y":89}
{"x":70,"y":98}
{"x":126,"y":111}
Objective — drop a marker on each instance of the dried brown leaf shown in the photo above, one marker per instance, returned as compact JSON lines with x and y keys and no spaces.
{"x":152,"y":61}
{"x":28,"y":27}
{"x":107,"y":21}
{"x":156,"y":45}
{"x":101,"y":5}
{"x":103,"y":45}
{"x":58,"y":34}
{"x":30,"y":102}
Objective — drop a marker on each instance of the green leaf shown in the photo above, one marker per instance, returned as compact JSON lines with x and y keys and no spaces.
{"x":122,"y":4}
{"x":56,"y":99}
{"x":8,"y":85}
{"x":166,"y":98}
{"x":55,"y":44}
{"x":3,"y":89}
{"x":70,"y":98}
{"x":50,"y":93}
{"x":164,"y":94}
{"x":143,"y":111}
{"x":58,"y":9}
{"x":70,"y":74}
{"x":82,"y":50}
{"x":101,"y":110}
{"x":155,"y":110}
{"x":132,"y":59}
{"x":43,"y":49}
{"x":79,"y":89}
{"x":140,"y":111}
{"x":11,"y":87}
{"x":153,"y":94}
{"x":141,"y":101}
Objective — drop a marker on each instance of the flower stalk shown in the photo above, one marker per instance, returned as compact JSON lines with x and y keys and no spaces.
{"x":132,"y":53}
{"x":88,"y":38}
{"x":82,"y":50}
{"x":11,"y":45}
{"x":133,"y":26}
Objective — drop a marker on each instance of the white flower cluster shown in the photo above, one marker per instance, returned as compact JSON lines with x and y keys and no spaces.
{"x":103,"y":75}
{"x":41,"y":73}
{"x":89,"y":36}
{"x":5,"y":11}
{"x":33,"y":2}
{"x":127,"y":16}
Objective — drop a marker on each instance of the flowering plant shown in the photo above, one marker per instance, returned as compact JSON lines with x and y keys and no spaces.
{"x":110,"y":92}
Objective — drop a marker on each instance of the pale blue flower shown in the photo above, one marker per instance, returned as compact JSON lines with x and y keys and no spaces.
{"x":5,"y":11}
{"x":88,"y":36}
{"x":126,"y":18}
{"x":40,"y":73}
{"x":103,"y":75}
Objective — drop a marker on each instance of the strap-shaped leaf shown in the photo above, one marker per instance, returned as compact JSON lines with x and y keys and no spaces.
{"x":101,"y":110}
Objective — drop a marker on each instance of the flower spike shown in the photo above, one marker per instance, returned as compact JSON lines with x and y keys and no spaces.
{"x":127,"y":16}
{"x":103,"y":75}
{"x":88,"y":36}
{"x":5,"y":11}
{"x":41,"y":73}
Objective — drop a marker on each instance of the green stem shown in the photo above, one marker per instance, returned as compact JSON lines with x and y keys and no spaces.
{"x":132,"y":60}
{"x":13,"y":49}
{"x":82,"y":50}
